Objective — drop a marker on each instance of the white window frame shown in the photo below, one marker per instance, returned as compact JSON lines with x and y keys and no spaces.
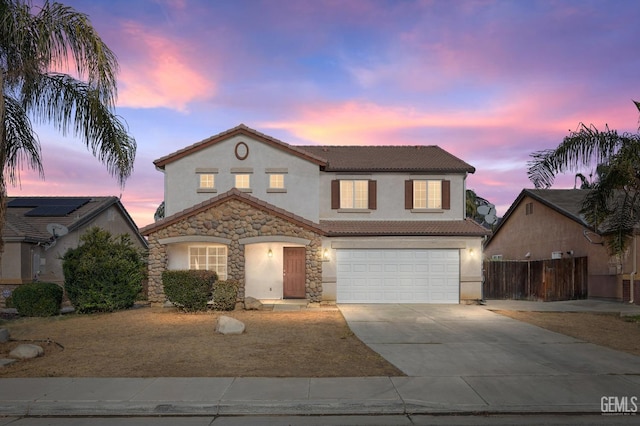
{"x":210,"y":258}
{"x":427,"y":194}
{"x":354,"y":194}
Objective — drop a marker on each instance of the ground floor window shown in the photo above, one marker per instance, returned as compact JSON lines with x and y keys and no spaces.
{"x":212,"y":258}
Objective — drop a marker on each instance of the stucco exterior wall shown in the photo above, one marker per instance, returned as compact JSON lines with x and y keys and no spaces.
{"x":300,"y":181}
{"x":390,"y":198}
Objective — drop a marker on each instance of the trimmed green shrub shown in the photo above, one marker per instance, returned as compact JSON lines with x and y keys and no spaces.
{"x":37,"y":299}
{"x":189,"y":290}
{"x":225,"y":294}
{"x":104,"y":273}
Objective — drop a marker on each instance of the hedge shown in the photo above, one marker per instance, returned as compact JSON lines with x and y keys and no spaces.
{"x":37,"y":299}
{"x":189,"y":290}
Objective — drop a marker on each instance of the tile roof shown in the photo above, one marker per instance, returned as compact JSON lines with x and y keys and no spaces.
{"x":399,"y":158}
{"x":370,"y":158}
{"x":21,"y":227}
{"x":238,"y":130}
{"x":440,"y":228}
{"x":234,"y":193}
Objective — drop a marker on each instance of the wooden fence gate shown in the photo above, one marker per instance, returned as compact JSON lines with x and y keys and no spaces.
{"x":545,"y":280}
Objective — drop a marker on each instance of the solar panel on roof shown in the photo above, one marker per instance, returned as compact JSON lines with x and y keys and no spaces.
{"x":48,"y":201}
{"x":49,"y":206}
{"x":43,"y":211}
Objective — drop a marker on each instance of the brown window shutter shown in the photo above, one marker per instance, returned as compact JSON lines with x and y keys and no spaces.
{"x":335,"y":194}
{"x":373,"y":196}
{"x":408,"y":194}
{"x":446,"y":194}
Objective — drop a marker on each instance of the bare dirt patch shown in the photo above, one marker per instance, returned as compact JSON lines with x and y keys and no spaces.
{"x":157,"y":342}
{"x":609,"y":330}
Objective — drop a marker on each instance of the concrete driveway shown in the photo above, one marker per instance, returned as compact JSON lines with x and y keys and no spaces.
{"x":461,"y":340}
{"x":504,"y":361}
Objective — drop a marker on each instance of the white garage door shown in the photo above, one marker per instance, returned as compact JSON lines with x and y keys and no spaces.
{"x":398,"y":276}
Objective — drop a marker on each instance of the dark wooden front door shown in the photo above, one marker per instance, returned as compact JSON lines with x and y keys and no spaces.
{"x":294,"y":272}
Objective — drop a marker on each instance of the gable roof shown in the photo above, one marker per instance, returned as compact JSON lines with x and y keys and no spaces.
{"x":233,"y":194}
{"x":397,"y":158}
{"x":27,"y":217}
{"x":370,"y":158}
{"x":567,"y":202}
{"x":238,"y":130}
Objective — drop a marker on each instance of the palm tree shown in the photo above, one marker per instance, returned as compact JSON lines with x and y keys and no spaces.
{"x":35,"y":44}
{"x":612,"y":206}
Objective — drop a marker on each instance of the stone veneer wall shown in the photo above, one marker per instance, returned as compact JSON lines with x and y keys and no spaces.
{"x":234,"y":220}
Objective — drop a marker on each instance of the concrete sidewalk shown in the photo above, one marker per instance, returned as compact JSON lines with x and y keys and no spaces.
{"x":459,"y":359}
{"x":310,"y":396}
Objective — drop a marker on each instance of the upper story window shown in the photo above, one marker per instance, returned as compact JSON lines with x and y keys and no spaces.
{"x":528,"y":209}
{"x":242,"y":178}
{"x":276,"y":179}
{"x":206,"y":179}
{"x":353,"y":194}
{"x":211,"y":258}
{"x":427,"y":194}
{"x":243,"y":181}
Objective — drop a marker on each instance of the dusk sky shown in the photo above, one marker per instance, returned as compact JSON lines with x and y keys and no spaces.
{"x":489,"y":81}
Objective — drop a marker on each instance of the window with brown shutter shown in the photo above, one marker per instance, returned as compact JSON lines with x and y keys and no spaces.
{"x":446,"y":195}
{"x":408,"y":194}
{"x":428,"y":197}
{"x":373,"y":195}
{"x":335,"y":194}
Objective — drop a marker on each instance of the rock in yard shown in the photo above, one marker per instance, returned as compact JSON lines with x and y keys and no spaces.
{"x":228,"y":325}
{"x":6,"y":361}
{"x":26,"y":351}
{"x":251,"y":304}
{"x":4,"y":335}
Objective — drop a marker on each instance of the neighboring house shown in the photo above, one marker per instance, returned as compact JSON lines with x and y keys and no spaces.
{"x":546,"y":224}
{"x":39,"y":230}
{"x":373,"y":224}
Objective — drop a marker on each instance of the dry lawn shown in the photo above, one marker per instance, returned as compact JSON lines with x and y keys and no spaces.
{"x":608,"y":330}
{"x":157,"y":342}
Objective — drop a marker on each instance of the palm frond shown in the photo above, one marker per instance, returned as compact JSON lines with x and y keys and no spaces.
{"x":586,"y":146}
{"x":21,"y":143}
{"x":73,"y":106}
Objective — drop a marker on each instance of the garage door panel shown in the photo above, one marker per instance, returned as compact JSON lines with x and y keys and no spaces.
{"x":398,"y":276}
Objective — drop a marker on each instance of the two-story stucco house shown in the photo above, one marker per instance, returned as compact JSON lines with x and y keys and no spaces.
{"x":356,"y":224}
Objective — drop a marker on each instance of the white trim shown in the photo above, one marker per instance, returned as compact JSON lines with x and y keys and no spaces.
{"x":436,"y":243}
{"x":194,"y":239}
{"x":274,"y":239}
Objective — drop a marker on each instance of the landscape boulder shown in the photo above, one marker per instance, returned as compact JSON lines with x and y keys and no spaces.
{"x":26,"y":351}
{"x":4,"y":362}
{"x":4,"y":335}
{"x":252,"y":304}
{"x":228,"y":325}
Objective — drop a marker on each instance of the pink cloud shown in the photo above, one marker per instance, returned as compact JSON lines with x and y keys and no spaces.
{"x":158,"y":71}
{"x":72,"y":171}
